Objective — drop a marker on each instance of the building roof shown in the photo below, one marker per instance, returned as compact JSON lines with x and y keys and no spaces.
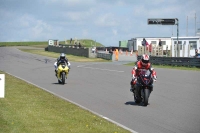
{"x":180,"y":37}
{"x":187,"y":37}
{"x":152,"y":37}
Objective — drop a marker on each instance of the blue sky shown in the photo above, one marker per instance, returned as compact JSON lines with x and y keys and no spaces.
{"x":106,"y":21}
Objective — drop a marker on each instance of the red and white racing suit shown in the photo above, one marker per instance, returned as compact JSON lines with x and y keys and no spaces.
{"x":138,"y":67}
{"x":135,"y":72}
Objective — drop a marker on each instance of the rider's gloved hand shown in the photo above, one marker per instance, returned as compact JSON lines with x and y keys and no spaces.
{"x":154,"y":78}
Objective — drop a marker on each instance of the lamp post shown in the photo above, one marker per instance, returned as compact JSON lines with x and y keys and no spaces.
{"x":187,"y":27}
{"x":195,"y":23}
{"x":198,"y":30}
{"x":177,"y":39}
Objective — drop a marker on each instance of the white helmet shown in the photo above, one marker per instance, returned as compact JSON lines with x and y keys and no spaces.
{"x":145,"y":59}
{"x":62,"y":56}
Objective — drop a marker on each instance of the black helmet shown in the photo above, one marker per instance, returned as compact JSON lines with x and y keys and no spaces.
{"x":62,"y":56}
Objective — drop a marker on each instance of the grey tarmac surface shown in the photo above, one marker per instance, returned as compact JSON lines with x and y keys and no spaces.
{"x":103,"y":88}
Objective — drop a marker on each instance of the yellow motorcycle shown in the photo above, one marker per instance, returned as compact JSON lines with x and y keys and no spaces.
{"x":62,"y":73}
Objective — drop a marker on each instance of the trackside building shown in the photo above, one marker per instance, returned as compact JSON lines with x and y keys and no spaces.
{"x":186,"y":45}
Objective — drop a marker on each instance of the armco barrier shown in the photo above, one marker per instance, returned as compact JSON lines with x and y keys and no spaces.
{"x":86,"y":52}
{"x":106,"y":56}
{"x":174,"y":61}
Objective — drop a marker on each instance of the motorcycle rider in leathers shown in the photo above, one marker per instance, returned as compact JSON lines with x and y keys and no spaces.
{"x":141,"y":64}
{"x":60,"y":60}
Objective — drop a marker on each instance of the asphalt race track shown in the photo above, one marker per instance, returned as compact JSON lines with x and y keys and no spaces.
{"x":103,"y":88}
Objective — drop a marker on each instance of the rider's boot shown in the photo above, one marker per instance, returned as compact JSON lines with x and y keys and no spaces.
{"x":137,"y":92}
{"x":131,"y":89}
{"x":56,"y":73}
{"x":132,"y":86}
{"x":68,"y":69}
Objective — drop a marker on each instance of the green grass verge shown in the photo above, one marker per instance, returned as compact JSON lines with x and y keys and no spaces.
{"x":28,"y":109}
{"x":169,"y":67}
{"x":70,"y":57}
{"x":3,"y":44}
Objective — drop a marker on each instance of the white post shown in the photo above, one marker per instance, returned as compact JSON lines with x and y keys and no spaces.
{"x":2,"y":85}
{"x":175,"y":50}
{"x":188,"y":50}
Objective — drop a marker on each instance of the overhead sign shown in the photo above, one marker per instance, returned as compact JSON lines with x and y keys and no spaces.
{"x":2,"y":85}
{"x":161,"y":21}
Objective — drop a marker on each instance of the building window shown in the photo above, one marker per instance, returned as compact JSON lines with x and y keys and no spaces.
{"x":193,"y":45}
{"x":179,"y":43}
{"x":163,"y":42}
{"x":153,"y":42}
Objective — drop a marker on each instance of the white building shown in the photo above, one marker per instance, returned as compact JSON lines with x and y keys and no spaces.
{"x":167,"y":42}
{"x":187,"y":46}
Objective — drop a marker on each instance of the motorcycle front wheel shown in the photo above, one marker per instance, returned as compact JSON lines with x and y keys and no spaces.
{"x":135,"y":98}
{"x":63,"y":77}
{"x":146,"y":96}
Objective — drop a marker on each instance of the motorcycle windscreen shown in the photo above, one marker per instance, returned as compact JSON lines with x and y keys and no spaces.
{"x":145,"y":73}
{"x":145,"y":76}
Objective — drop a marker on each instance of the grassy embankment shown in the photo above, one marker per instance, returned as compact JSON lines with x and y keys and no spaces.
{"x":84,"y":43}
{"x":43,"y":44}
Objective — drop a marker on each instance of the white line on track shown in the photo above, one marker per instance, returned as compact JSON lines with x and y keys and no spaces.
{"x":132,"y":131}
{"x":84,"y":66}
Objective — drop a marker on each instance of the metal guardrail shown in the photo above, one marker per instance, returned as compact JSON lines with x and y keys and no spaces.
{"x":174,"y":61}
{"x":106,"y":56}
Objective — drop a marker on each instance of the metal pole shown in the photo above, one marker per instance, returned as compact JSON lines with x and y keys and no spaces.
{"x":198,"y":30}
{"x":187,"y":27}
{"x":177,"y":40}
{"x":195,"y":24}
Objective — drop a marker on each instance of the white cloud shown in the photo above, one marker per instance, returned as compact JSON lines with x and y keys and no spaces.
{"x":78,"y":16}
{"x":85,"y":33}
{"x":139,"y":10}
{"x":26,"y":20}
{"x":40,"y":29}
{"x":106,"y":20}
{"x":4,"y":14}
{"x":114,"y":31}
{"x":71,"y":3}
